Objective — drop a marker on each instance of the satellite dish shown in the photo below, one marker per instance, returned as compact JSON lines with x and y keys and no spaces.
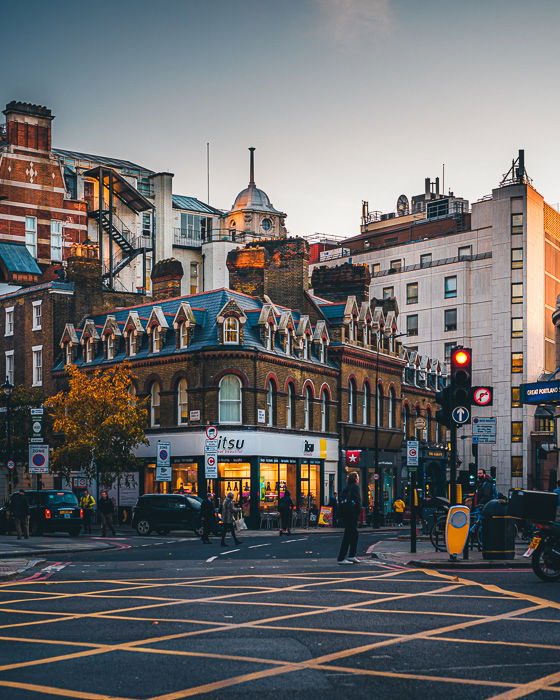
{"x":403,"y":207}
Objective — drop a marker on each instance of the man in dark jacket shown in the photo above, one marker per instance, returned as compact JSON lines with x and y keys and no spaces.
{"x":285,"y":507}
{"x":106,"y":509}
{"x":207,"y":517}
{"x":484,"y":489}
{"x":19,"y":508}
{"x":229,"y":510}
{"x":350,"y":504}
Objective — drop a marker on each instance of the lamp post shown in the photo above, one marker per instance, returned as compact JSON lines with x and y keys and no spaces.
{"x":7,"y":388}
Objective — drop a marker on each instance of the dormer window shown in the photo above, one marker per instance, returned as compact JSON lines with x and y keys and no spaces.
{"x":69,"y":354}
{"x":231,"y":331}
{"x":89,"y":350}
{"x":269,"y":337}
{"x":183,"y":336}
{"x":156,"y":339}
{"x":288,"y":346}
{"x":305,"y":347}
{"x":366,"y":335}
{"x":110,"y":343}
{"x":322,"y":351}
{"x":351,"y":330}
{"x":131,"y":344}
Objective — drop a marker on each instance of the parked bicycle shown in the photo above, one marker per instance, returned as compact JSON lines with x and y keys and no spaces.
{"x":437,"y":533}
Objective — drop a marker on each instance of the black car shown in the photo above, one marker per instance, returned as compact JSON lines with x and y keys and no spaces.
{"x":165,"y":512}
{"x":50,"y":511}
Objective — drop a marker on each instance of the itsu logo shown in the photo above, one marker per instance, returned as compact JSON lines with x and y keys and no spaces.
{"x":308,"y":448}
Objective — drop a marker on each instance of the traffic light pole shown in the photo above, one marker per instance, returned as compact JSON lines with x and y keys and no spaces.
{"x":453,"y":465}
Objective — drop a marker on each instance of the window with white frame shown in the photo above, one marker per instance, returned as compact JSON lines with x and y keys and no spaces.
{"x":351,"y":401}
{"x":324,"y":411}
{"x":184,"y":336}
{"x":229,"y":399}
{"x":288,"y":343}
{"x":231,"y":331}
{"x":9,"y":325}
{"x":351,"y":330}
{"x":305,"y":347}
{"x":31,"y":235}
{"x":110,"y":346}
{"x":308,"y":408}
{"x":9,"y":366}
{"x":37,"y":363}
{"x":194,"y":278}
{"x":131,"y":344}
{"x":269,"y":338}
{"x":182,"y":402}
{"x":37,"y":311}
{"x":290,"y":406}
{"x":391,"y":409}
{"x":322,"y":353}
{"x":366,"y":334}
{"x":270,"y":402}
{"x":156,"y":339}
{"x":69,"y":354}
{"x":365,"y":404}
{"x":90,"y":350}
{"x":56,"y":240}
{"x":154,"y":405}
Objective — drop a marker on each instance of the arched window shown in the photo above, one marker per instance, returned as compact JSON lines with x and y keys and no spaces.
{"x":351,"y":401}
{"x":182,"y":402}
{"x":229,"y":399}
{"x":270,"y":402}
{"x":391,"y":414}
{"x":231,"y":331}
{"x":154,"y":405}
{"x":308,"y":409}
{"x":324,"y":411}
{"x":291,"y":407}
{"x":379,"y":405}
{"x":365,"y":404}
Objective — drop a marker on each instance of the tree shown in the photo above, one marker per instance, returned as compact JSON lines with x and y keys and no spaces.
{"x":101,"y":423}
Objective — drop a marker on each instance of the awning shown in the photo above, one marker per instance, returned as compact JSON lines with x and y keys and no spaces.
{"x":122,"y":188}
{"x":15,"y":258}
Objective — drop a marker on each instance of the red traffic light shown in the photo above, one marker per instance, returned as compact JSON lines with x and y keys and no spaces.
{"x":460,"y":357}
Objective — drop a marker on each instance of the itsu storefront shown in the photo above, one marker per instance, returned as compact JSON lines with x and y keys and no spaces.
{"x":256,"y":466}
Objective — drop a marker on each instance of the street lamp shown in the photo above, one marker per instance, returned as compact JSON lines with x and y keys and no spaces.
{"x":8,"y":388}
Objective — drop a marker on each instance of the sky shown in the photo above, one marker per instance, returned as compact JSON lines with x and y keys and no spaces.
{"x":344,"y":100}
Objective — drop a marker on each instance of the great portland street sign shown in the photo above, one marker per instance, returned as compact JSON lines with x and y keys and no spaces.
{"x":541,"y":392}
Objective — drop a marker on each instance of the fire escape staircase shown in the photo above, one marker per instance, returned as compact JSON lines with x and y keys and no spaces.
{"x":130,"y":245}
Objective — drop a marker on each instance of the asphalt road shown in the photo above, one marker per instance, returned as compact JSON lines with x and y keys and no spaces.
{"x":275,"y":617}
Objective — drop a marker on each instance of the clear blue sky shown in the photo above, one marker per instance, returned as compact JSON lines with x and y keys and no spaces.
{"x":344,"y":99}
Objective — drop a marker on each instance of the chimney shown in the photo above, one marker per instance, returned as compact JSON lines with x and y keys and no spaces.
{"x":427,"y":187}
{"x":28,"y":125}
{"x":166,"y":279}
{"x":252,"y":167}
{"x":338,"y":283}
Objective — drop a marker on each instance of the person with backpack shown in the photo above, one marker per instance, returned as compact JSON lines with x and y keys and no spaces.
{"x":285,"y":506}
{"x":485,"y":490}
{"x":350,"y":505}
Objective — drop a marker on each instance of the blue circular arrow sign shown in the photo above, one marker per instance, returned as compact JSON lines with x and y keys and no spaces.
{"x":460,"y":414}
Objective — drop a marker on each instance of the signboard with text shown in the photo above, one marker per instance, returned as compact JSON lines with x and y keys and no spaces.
{"x":540,"y":392}
{"x":484,"y":431}
{"x":412,"y":449}
{"x":38,"y":459}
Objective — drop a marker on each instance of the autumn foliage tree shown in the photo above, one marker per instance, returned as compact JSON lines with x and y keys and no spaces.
{"x":100,"y":421}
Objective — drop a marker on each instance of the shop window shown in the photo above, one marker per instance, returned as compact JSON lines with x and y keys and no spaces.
{"x":290,"y":406}
{"x":515,"y":397}
{"x":235,"y":477}
{"x":516,"y":258}
{"x":365,"y":404}
{"x":450,"y":287}
{"x":185,"y":478}
{"x":351,"y":401}
{"x":412,"y":293}
{"x":324,"y":411}
{"x":182,"y":402}
{"x":391,"y":412}
{"x":517,"y":431}
{"x":309,"y":486}
{"x":412,"y":324}
{"x":308,"y":409}
{"x":450,"y":320}
{"x":388,"y":292}
{"x":516,"y":362}
{"x":231,"y":331}
{"x":274,"y":479}
{"x":516,"y":466}
{"x":516,"y":224}
{"x":270,"y":403}
{"x":230,"y":399}
{"x":517,"y":327}
{"x":154,"y":405}
{"x":517,"y":293}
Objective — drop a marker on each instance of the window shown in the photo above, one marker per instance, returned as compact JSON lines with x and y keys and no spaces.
{"x":229,"y":399}
{"x":352,"y":330}
{"x":9,"y":373}
{"x":351,"y":401}
{"x":406,"y":421}
{"x":388,"y":292}
{"x":9,"y":329}
{"x":305,"y":347}
{"x":37,"y":352}
{"x":450,"y":287}
{"x":110,"y":339}
{"x":270,"y":402}
{"x":147,"y":224}
{"x":448,"y":349}
{"x":322,"y":351}
{"x":517,"y":431}
{"x":465,"y":251}
{"x":517,"y":293}
{"x":391,"y":414}
{"x":366,"y":335}
{"x":517,"y":327}
{"x":426,"y":260}
{"x":379,"y":405}
{"x":516,"y":258}
{"x":516,"y":223}
{"x":324,"y":411}
{"x":365,"y":404}
{"x":154,"y":405}
{"x":56,"y":240}
{"x":308,"y":409}
{"x":184,"y":336}
{"x":412,"y":293}
{"x":516,"y":362}
{"x":288,"y":345}
{"x":231,"y":331}
{"x":182,"y":402}
{"x":290,"y":406}
{"x":375,"y":269}
{"x":156,"y":339}
{"x":450,"y":320}
{"x":31,"y":235}
{"x":131,"y":344}
{"x":412,"y":324}
{"x":395,"y":264}
{"x":37,"y":315}
{"x":517,"y":466}
{"x":69,"y":354}
{"x":269,"y":336}
{"x":194,"y":278}
{"x":90,"y":350}
{"x":515,"y":397}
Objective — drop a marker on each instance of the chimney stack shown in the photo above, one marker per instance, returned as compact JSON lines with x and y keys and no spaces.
{"x":338,"y":283}
{"x":28,"y":125}
{"x":166,"y":279}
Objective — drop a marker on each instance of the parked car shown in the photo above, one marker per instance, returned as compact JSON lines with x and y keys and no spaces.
{"x":166,"y":512}
{"x":50,"y":511}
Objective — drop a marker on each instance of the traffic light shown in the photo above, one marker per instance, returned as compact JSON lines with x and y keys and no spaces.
{"x":472,"y":473}
{"x":443,"y":414}
{"x":460,"y":383}
{"x":493,"y":475}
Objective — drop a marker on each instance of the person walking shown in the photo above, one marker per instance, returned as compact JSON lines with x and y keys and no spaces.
{"x":87,"y":504}
{"x":207,"y":517}
{"x":350,"y":505}
{"x":398,"y":507}
{"x":229,"y":509}
{"x":484,"y":490}
{"x":19,"y":509}
{"x":106,"y":510}
{"x":285,"y":506}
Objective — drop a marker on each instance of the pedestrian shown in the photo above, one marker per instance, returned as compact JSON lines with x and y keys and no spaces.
{"x":19,"y":509}
{"x":207,"y":517}
{"x":229,"y":509}
{"x":106,"y":510}
{"x":557,"y":492}
{"x":484,"y":490}
{"x":398,"y":507}
{"x":350,"y":505}
{"x":285,"y":506}
{"x":87,"y":504}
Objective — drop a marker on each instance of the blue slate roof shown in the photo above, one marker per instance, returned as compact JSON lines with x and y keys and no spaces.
{"x":17,"y":258}
{"x":192,"y":204}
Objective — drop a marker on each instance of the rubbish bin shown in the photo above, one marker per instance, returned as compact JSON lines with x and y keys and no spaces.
{"x":498,"y":531}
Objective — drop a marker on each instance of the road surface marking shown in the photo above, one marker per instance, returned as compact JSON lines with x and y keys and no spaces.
{"x":301,"y":539}
{"x":211,"y":559}
{"x":253,"y":546}
{"x":230,"y":551}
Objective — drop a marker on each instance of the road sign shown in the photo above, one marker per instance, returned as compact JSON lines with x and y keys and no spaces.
{"x":420,"y":423}
{"x":211,"y":465}
{"x":38,"y":459}
{"x":376,"y":477}
{"x":163,"y":454}
{"x":484,"y":431}
{"x":460,"y":414}
{"x":211,"y":432}
{"x":163,"y":473}
{"x":37,"y":411}
{"x":482,"y":395}
{"x":412,"y":448}
{"x":11,"y":464}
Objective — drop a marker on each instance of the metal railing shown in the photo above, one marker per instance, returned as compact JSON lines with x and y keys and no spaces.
{"x":187,"y":237}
